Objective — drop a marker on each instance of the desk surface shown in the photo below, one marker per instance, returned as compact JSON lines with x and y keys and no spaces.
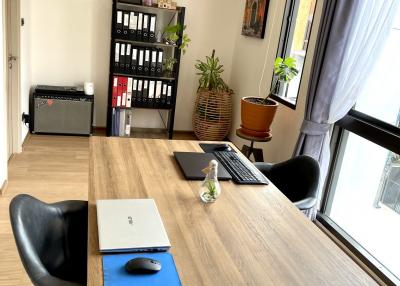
{"x":252,"y":235}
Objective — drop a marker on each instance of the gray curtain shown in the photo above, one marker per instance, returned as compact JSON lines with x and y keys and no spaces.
{"x":351,"y":36}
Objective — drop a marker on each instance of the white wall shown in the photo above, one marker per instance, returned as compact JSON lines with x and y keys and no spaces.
{"x":70,"y":44}
{"x":3,"y":105}
{"x":248,"y":62}
{"x":211,"y":25}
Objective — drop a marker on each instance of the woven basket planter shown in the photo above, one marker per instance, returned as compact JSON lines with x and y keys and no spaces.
{"x":212,"y":116}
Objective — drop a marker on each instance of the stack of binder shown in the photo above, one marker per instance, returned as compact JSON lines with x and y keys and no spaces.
{"x":131,"y":92}
{"x":136,"y":26}
{"x":122,"y":122}
{"x":134,"y":60}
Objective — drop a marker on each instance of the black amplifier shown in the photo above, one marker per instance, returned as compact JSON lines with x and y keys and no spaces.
{"x":61,"y":110}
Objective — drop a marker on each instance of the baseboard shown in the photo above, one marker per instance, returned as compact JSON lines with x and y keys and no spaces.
{"x":148,"y":130}
{"x":3,"y":187}
{"x":28,"y":135}
{"x":11,"y":157}
{"x":184,"y":132}
{"x":99,"y":129}
{"x":22,"y":147}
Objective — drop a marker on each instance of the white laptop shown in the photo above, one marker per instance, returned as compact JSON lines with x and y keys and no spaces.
{"x":130,"y":226}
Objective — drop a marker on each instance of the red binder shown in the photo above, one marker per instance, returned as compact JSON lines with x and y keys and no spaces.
{"x":115,"y":92}
{"x":119,"y":92}
{"x":124,"y":90}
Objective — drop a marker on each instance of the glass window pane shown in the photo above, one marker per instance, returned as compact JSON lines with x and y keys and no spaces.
{"x":381,"y":94}
{"x":366,"y":199}
{"x":298,"y":35}
{"x":299,"y":46}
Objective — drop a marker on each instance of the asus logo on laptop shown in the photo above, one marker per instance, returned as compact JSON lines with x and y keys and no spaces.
{"x":130,"y":220}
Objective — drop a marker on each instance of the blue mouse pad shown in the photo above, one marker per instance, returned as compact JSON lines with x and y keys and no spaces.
{"x":115,"y":273}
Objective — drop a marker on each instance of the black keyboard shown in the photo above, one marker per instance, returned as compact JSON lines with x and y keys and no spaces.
{"x":241,"y":172}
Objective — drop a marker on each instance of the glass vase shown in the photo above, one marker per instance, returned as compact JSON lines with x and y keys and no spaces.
{"x":210,"y":189}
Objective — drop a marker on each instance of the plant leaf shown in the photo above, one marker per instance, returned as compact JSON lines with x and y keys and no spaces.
{"x":210,"y":75}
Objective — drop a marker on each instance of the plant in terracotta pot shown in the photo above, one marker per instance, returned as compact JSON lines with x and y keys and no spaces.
{"x":258,"y":113}
{"x":212,"y":116}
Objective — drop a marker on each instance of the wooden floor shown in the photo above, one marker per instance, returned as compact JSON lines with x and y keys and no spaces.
{"x":51,"y":168}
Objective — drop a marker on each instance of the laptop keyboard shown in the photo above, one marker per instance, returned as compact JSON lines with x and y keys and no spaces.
{"x":241,"y":172}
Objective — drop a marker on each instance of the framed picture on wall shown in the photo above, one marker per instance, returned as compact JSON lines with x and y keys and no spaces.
{"x":255,"y":18}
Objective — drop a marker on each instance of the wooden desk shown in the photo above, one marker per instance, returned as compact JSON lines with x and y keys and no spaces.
{"x":252,"y":235}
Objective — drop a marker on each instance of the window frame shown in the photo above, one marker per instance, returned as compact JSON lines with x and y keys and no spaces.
{"x":286,"y":36}
{"x":379,"y":133}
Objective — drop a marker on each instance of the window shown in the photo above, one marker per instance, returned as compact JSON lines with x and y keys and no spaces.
{"x":295,"y":35}
{"x":363,"y":190}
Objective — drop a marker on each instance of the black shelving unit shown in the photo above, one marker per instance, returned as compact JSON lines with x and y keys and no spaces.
{"x":174,"y":17}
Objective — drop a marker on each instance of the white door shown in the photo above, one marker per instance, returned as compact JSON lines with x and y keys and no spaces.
{"x":12,"y":61}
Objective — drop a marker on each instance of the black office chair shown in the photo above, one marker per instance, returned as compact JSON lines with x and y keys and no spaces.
{"x":51,"y":240}
{"x":297,"y":179}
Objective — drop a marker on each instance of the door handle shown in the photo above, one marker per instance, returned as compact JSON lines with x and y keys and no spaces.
{"x":11,"y":59}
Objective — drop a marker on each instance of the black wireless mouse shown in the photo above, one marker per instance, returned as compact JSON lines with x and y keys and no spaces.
{"x":223,"y":147}
{"x":142,"y":266}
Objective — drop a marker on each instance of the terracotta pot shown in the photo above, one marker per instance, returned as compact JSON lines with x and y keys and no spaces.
{"x":257,"y":117}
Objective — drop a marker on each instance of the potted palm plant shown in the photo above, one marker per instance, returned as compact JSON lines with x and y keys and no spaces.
{"x":212,"y":116}
{"x":258,"y":113}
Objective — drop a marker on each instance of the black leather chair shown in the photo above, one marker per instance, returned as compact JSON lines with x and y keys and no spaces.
{"x":297,"y":179}
{"x":51,"y":240}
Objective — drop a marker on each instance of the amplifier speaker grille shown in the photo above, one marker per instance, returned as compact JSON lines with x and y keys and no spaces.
{"x":62,"y":116}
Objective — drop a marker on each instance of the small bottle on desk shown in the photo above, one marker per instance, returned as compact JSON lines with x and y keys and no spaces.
{"x":210,"y":189}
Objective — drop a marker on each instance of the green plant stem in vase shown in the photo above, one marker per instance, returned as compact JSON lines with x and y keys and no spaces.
{"x":210,"y":189}
{"x":210,"y":193}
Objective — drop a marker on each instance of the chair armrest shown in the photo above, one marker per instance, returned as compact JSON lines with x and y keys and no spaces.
{"x":306,"y":203}
{"x":263,"y":167}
